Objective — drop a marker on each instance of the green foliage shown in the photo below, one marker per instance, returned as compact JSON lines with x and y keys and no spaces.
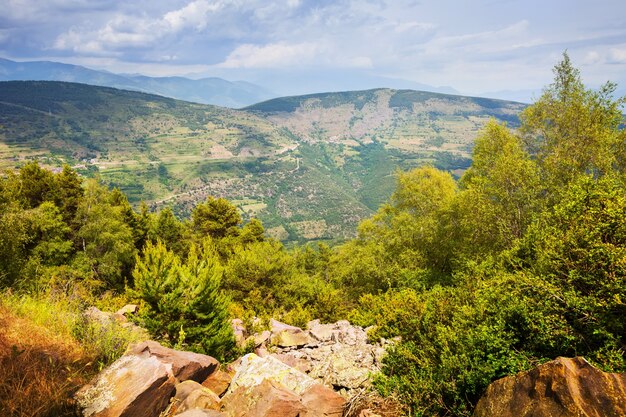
{"x":183,"y":303}
{"x":217,"y":218}
{"x":105,"y":240}
{"x":572,"y":130}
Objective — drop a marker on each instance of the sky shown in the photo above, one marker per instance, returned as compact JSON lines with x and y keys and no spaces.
{"x":475,"y":47}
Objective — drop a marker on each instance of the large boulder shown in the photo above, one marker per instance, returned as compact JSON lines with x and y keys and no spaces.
{"x":133,"y":386}
{"x":266,"y":399}
{"x":185,"y":365}
{"x":561,"y":388}
{"x":142,"y":381}
{"x":321,"y":401}
{"x":252,"y":370}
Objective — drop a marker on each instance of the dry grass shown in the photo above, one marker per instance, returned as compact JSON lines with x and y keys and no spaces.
{"x":368,"y":403}
{"x":40,"y":368}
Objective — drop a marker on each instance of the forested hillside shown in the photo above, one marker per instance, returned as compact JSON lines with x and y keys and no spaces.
{"x":519,"y":261}
{"x":311,"y":170}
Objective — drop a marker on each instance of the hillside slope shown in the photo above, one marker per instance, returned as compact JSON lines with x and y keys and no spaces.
{"x":309,"y":167}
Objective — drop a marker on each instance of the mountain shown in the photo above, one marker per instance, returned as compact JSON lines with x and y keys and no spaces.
{"x":213,"y":90}
{"x":310,"y":167}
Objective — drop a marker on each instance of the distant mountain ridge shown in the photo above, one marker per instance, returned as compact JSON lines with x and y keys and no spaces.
{"x":213,"y":90}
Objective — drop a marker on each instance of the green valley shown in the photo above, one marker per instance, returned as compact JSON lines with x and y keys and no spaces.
{"x":310,"y":167}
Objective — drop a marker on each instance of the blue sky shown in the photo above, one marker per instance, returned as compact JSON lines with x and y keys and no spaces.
{"x":473,"y":46}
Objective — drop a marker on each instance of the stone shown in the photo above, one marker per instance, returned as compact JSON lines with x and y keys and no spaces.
{"x":202,"y":413}
{"x":284,"y":335}
{"x":239,"y":331}
{"x":218,"y":382}
{"x":322,"y":332}
{"x":128,"y":309}
{"x":133,"y":386}
{"x":277,"y":327}
{"x":321,"y":401}
{"x":252,"y":370}
{"x":202,"y":398}
{"x":266,"y":399}
{"x":565,"y":387}
{"x":185,"y":365}
{"x":183,"y":389}
{"x":289,"y":339}
{"x":299,"y":362}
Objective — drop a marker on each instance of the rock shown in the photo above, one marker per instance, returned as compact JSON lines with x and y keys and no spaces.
{"x":239,"y":331}
{"x":218,"y":382}
{"x":277,"y":327}
{"x":321,"y":401}
{"x":289,"y":339}
{"x":267,"y":399}
{"x":128,"y":309}
{"x":284,"y":335}
{"x":202,"y":398}
{"x":564,"y":387}
{"x":185,"y":365}
{"x":252,"y":370}
{"x":185,"y":388}
{"x":299,"y":362}
{"x":202,"y":413}
{"x":132,"y":386}
{"x":322,"y":332}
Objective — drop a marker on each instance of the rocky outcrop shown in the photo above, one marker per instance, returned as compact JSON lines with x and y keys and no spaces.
{"x":336,"y":354}
{"x":561,"y":388}
{"x":295,"y":374}
{"x":141,"y":382}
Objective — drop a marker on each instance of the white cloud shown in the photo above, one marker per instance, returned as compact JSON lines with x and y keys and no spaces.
{"x":272,"y":55}
{"x":123,"y":31}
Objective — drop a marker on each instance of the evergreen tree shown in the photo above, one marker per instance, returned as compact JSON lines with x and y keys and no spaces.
{"x":183,"y":302}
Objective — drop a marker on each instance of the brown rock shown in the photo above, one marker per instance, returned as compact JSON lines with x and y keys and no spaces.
{"x":268,"y":399}
{"x":321,"y":401}
{"x":218,"y":382}
{"x":185,"y":388}
{"x":202,"y":398}
{"x":564,"y":387}
{"x":202,"y":413}
{"x":185,"y":365}
{"x":131,"y":386}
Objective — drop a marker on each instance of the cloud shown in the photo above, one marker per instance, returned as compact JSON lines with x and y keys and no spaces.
{"x":271,"y":55}
{"x":125,"y":31}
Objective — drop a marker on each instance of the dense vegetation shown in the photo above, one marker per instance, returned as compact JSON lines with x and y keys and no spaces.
{"x":521,"y":260}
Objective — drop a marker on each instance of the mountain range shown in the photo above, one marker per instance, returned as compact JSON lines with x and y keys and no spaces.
{"x":310,"y":167}
{"x":211,"y":90}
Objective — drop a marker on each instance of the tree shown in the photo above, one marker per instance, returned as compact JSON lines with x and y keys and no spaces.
{"x":572,"y":130}
{"x":105,"y":241}
{"x":217,"y":218}
{"x":184,"y":303}
{"x":500,"y":192}
{"x":169,"y":230}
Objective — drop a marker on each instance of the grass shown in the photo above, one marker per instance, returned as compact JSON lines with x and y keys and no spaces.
{"x":47,"y":352}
